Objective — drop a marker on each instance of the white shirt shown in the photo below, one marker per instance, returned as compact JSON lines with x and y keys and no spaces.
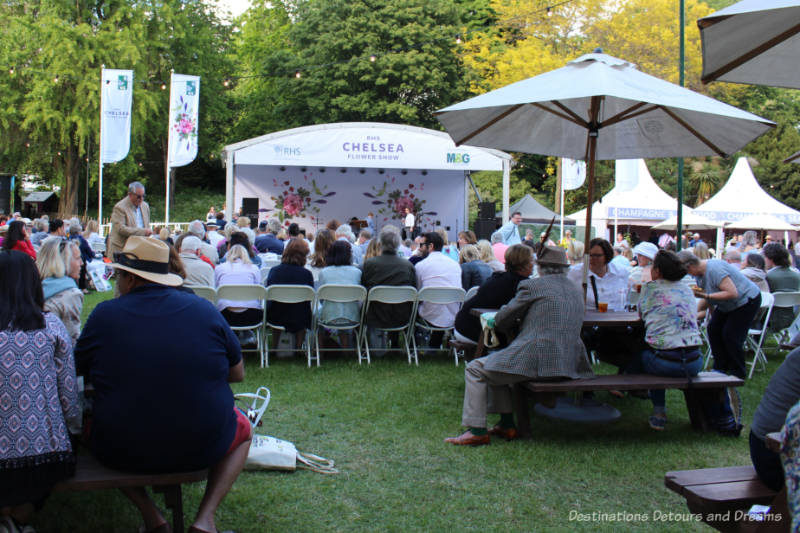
{"x":409,"y":223}
{"x":611,"y":288}
{"x":214,"y":237}
{"x":438,"y":270}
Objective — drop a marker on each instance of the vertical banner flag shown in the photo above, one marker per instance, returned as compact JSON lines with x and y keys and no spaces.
{"x":573,"y":173}
{"x":183,"y":107}
{"x":626,"y":174}
{"x":115,"y":121}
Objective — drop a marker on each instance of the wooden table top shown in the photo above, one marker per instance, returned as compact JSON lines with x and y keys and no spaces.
{"x":590,"y":318}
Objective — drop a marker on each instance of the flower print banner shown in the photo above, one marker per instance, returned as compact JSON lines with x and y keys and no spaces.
{"x":183,"y":108}
{"x":116,"y":96}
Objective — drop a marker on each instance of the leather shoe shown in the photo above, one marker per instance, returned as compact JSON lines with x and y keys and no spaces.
{"x":468,"y":439}
{"x":505,"y":433}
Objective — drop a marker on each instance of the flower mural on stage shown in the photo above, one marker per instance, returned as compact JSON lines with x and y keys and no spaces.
{"x":394,"y":201}
{"x":299,"y":202}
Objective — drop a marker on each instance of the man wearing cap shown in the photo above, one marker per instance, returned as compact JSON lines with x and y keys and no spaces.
{"x":269,"y":241}
{"x":644,"y":252}
{"x":198,"y":272}
{"x":548,"y":346}
{"x":207,"y":249}
{"x":160,"y":360}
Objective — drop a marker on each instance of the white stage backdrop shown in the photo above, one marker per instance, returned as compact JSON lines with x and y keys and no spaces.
{"x":312,"y":197}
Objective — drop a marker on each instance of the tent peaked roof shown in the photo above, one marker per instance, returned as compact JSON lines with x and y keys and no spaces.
{"x":645,"y":201}
{"x":533,"y":211}
{"x":742,"y":196}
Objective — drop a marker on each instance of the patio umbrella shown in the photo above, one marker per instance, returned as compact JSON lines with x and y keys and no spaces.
{"x":753,"y":41}
{"x":761,"y":221}
{"x":794,"y":158}
{"x":601,"y":107}
{"x":690,"y":222}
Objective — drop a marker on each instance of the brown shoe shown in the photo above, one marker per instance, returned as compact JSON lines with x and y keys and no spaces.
{"x":505,"y":433}
{"x":468,"y":439}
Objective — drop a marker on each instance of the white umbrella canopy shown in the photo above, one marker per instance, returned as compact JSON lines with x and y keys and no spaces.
{"x":601,"y":107}
{"x":763,"y":222}
{"x":753,"y":41}
{"x":690,"y":222}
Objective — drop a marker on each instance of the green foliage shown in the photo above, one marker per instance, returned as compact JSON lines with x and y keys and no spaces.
{"x":330,"y":45}
{"x":190,"y":204}
{"x":51,"y":102}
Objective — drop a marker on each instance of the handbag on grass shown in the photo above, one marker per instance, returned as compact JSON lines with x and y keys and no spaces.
{"x":270,"y":453}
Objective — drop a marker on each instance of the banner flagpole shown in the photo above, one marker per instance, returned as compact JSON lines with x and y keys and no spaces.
{"x":169,"y":145}
{"x":560,"y":181}
{"x":100,"y":159}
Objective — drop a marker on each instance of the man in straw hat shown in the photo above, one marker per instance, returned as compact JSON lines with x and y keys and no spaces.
{"x":548,"y":346}
{"x":160,"y":360}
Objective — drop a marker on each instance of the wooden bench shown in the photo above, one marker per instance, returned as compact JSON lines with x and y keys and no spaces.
{"x":91,"y":475}
{"x":703,"y":386}
{"x":722,"y":496}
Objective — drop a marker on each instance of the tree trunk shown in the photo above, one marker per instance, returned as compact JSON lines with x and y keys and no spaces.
{"x":68,"y":201}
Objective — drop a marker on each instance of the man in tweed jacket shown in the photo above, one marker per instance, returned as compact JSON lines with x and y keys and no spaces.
{"x":549,"y":313}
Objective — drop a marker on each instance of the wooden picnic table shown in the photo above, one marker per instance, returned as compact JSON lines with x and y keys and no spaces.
{"x":590,"y":318}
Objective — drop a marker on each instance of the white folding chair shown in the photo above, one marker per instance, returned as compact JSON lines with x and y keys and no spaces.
{"x":785,"y":300}
{"x":388,"y":294}
{"x":340,"y":294}
{"x":207,"y":293}
{"x":291,"y":294}
{"x":244,"y":293}
{"x":758,"y":331}
{"x":266,"y":266}
{"x":471,"y":292}
{"x":437,"y":295}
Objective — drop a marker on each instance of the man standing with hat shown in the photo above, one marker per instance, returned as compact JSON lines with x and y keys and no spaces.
{"x":548,"y":346}
{"x":160,"y":360}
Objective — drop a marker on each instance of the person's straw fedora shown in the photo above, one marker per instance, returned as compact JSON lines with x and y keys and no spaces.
{"x":147,"y":258}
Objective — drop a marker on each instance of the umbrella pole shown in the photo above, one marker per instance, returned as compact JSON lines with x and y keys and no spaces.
{"x":588,"y":234}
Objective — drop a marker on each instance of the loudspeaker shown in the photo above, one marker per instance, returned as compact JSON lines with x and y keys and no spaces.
{"x":485,"y":228}
{"x":250,"y":210}
{"x":5,"y":194}
{"x":486,"y":210}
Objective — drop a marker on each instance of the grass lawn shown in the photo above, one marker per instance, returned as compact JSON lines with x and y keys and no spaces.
{"x":384,"y":425}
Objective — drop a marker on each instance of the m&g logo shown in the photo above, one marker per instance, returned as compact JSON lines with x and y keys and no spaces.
{"x":457,"y":158}
{"x":122,"y":83}
{"x":191,"y":88}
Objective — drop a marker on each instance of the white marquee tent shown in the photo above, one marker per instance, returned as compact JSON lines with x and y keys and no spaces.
{"x":645,"y":204}
{"x":312,"y":174}
{"x":742,"y":196}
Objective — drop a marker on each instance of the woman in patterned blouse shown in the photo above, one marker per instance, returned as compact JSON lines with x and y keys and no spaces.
{"x":38,"y":394}
{"x":669,"y":313}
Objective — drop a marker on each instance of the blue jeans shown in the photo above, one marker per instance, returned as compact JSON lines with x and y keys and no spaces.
{"x":649,"y":363}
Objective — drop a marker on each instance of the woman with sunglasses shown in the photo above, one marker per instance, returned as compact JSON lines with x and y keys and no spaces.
{"x":59,"y":265}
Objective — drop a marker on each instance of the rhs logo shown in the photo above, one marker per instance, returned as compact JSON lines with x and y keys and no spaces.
{"x":122,"y":83}
{"x":457,"y":158}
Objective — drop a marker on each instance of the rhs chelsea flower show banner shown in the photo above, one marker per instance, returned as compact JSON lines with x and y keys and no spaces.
{"x":183,"y":110}
{"x":116,"y":96}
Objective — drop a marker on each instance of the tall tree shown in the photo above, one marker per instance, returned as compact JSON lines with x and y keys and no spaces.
{"x":49,"y":105}
{"x":360,"y":60}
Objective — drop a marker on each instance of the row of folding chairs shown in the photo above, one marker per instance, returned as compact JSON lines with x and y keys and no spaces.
{"x":383,"y":294}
